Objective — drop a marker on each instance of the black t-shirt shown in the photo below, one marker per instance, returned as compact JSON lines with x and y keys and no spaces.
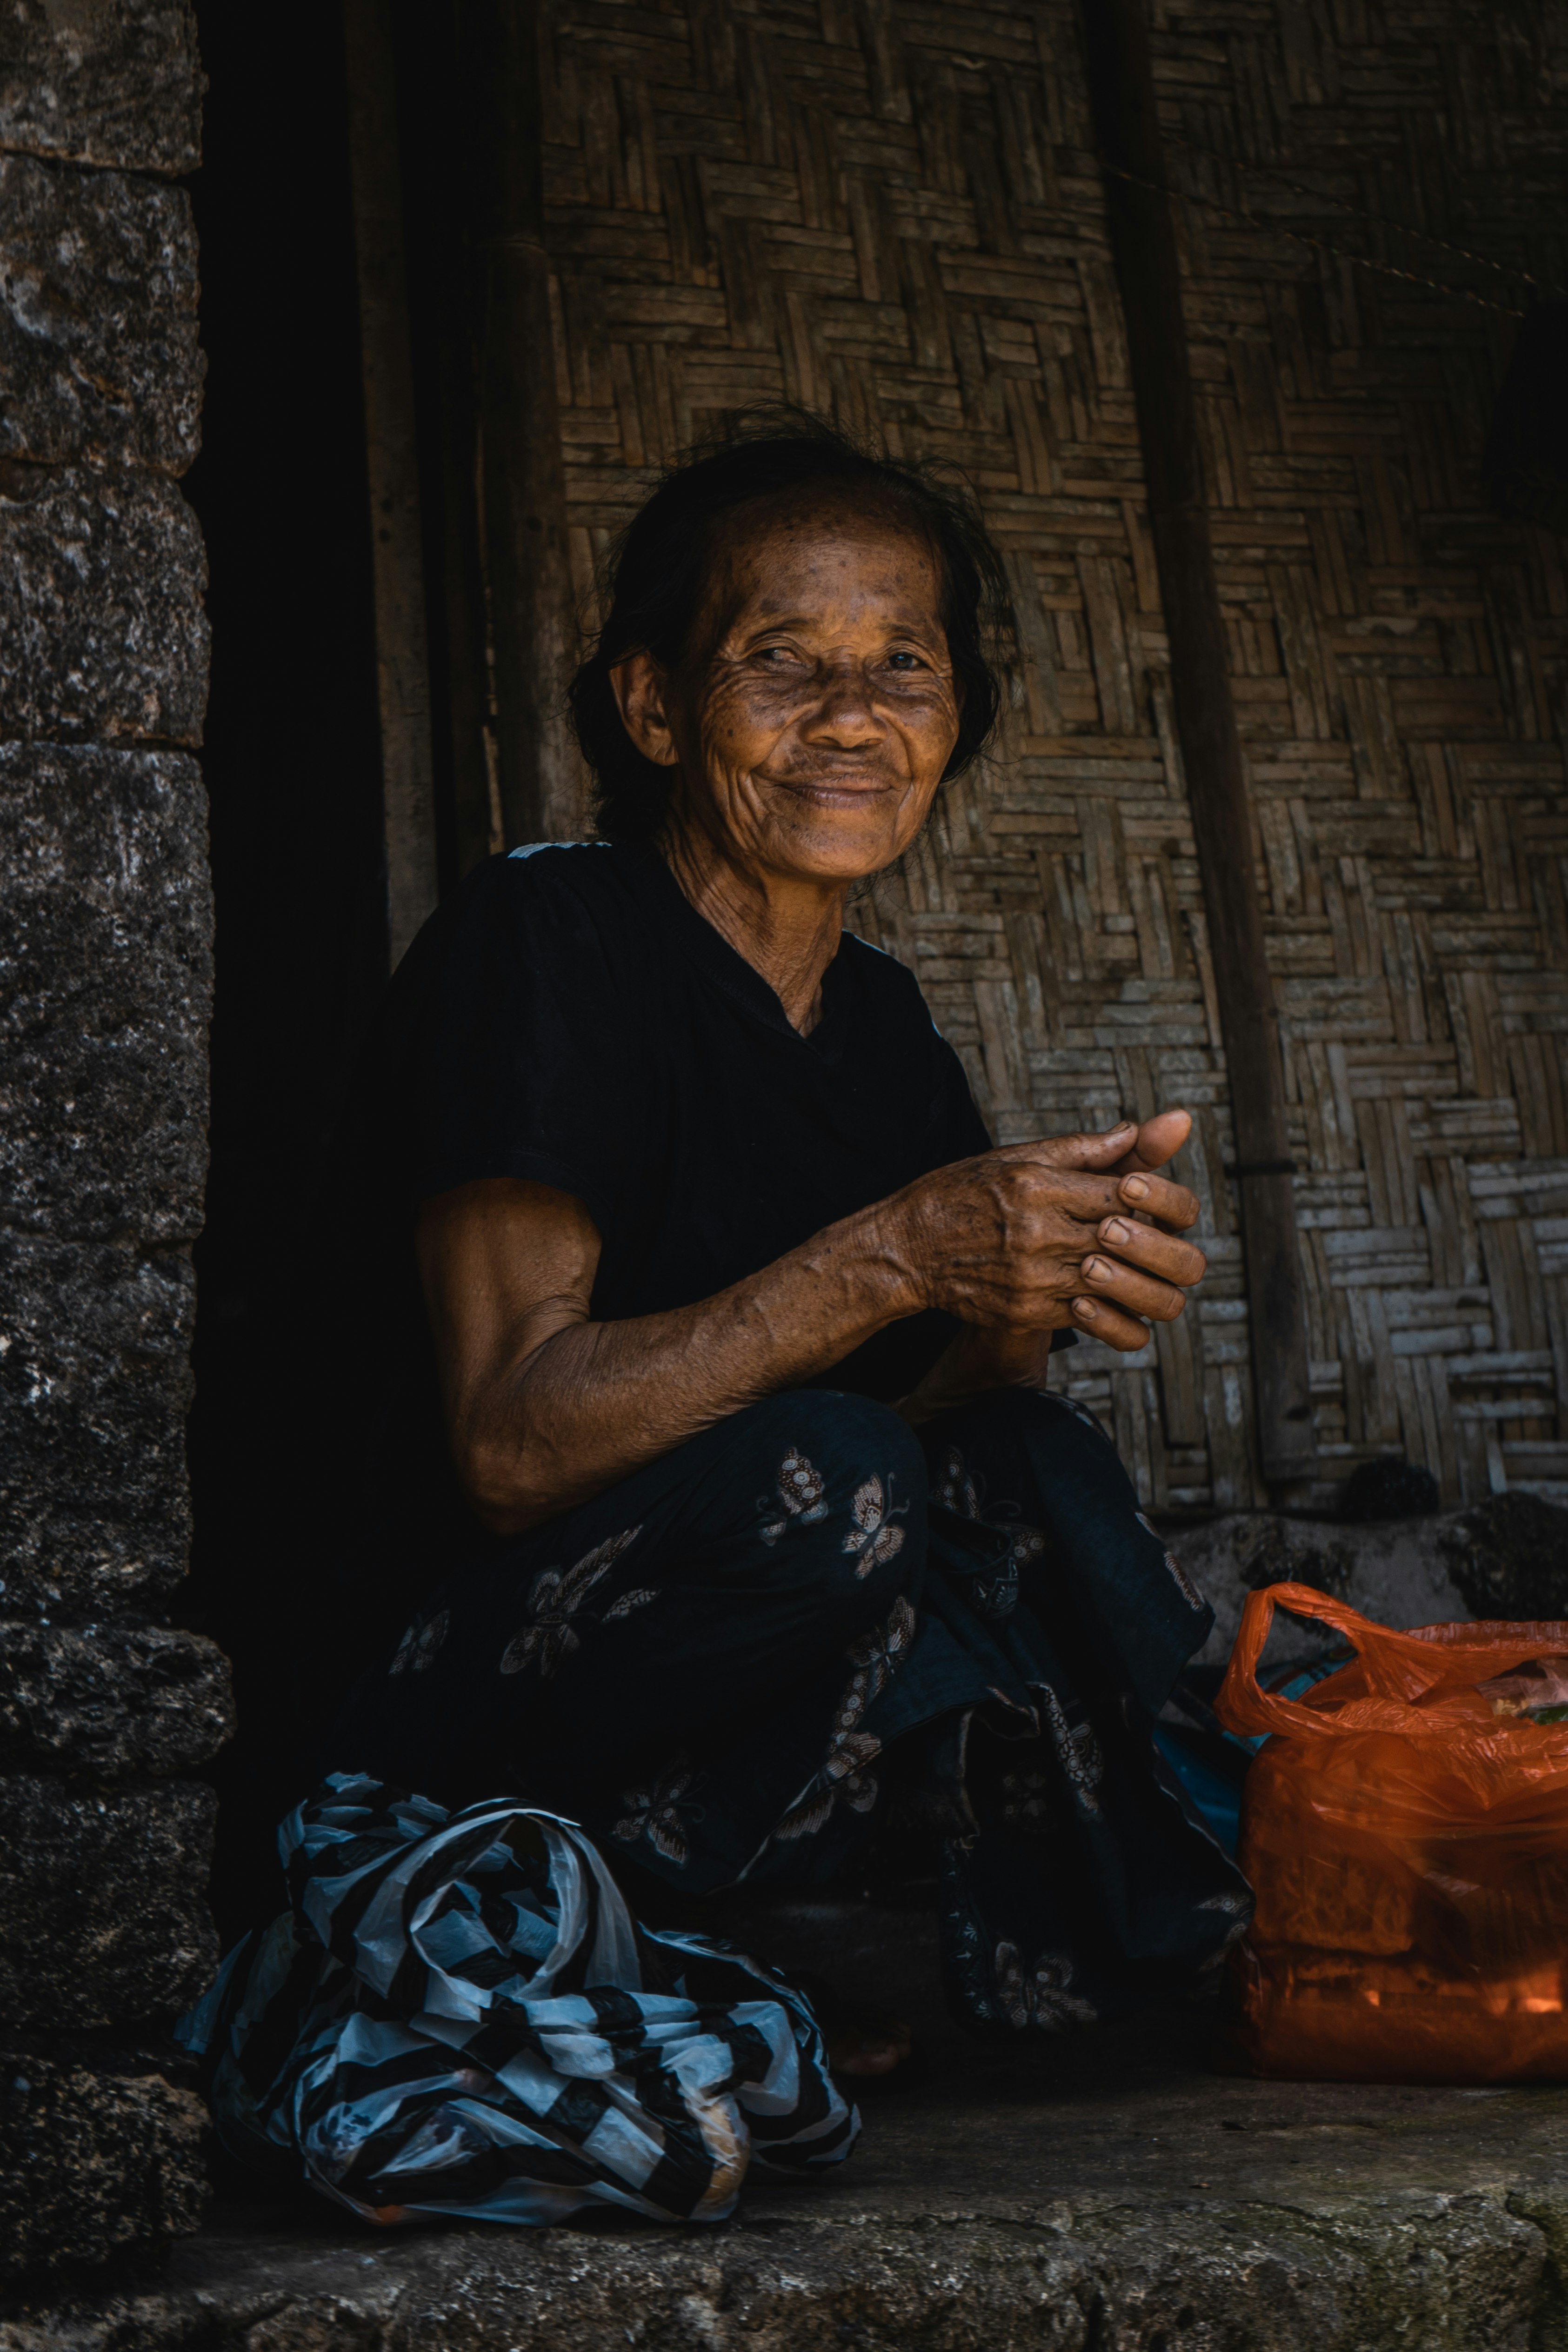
{"x":567,"y":1017}
{"x":574,"y":1020}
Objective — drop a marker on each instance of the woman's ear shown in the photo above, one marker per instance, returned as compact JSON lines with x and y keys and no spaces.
{"x":639,"y":685}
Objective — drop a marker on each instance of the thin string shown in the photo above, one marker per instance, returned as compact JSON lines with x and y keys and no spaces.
{"x":1324,"y":196}
{"x":1299,"y":236}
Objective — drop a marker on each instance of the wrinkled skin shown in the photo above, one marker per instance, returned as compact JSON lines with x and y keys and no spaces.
{"x":808,"y":727}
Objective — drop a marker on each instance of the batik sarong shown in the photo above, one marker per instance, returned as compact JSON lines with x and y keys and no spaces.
{"x":458,"y":2016}
{"x":744,"y":1662}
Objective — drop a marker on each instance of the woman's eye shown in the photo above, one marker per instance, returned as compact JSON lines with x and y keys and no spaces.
{"x":905,"y":662}
{"x":779,"y":657}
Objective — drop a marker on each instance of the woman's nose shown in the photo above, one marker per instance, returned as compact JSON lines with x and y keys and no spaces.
{"x":844,"y":714}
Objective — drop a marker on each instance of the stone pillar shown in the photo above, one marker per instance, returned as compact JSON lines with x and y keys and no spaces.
{"x":105,"y":980}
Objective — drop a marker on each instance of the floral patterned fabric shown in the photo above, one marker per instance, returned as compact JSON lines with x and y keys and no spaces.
{"x":458,"y":2016}
{"x":812,"y":1623}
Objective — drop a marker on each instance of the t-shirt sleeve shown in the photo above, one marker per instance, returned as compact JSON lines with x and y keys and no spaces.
{"x":509,"y":1042}
{"x":963,"y":1132}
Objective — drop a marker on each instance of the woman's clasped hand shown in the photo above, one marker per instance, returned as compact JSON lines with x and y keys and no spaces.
{"x":1047,"y":1234}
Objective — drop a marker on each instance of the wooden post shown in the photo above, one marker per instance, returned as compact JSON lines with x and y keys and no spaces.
{"x":441,"y":201}
{"x":522,"y":494}
{"x":402,"y":662}
{"x":1144,"y":246}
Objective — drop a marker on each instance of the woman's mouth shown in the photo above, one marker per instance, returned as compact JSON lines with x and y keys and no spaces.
{"x":841,"y":791}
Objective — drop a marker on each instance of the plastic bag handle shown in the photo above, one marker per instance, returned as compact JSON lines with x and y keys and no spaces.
{"x":1401,"y":1669}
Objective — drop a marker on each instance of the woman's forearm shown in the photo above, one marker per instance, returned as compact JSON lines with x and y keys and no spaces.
{"x":572,"y":1405}
{"x":547,"y":1407}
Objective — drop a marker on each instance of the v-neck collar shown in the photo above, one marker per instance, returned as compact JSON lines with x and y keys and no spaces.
{"x":709,"y":948}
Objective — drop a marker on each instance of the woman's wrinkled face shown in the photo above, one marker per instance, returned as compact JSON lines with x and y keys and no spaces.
{"x":815,"y":710}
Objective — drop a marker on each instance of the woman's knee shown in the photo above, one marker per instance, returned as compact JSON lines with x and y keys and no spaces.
{"x":1046,"y":1457}
{"x":1031,"y":1416}
{"x":849,"y":1490}
{"x":847,"y":1436}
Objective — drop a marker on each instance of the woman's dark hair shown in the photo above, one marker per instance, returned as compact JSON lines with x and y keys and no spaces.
{"x":659,"y":568}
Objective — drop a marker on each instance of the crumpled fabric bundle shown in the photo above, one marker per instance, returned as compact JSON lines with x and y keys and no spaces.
{"x":459,"y":2016}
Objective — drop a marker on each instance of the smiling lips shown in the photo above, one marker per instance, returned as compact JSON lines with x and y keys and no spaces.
{"x":828,"y":787}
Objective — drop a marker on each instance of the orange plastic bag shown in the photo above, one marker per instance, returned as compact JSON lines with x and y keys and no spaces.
{"x":1409,"y":1853}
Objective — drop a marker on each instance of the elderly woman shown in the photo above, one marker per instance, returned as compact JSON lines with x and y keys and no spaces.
{"x":741,"y":1327}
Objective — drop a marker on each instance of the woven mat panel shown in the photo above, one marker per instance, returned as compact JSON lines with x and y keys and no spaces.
{"x":893,"y":214}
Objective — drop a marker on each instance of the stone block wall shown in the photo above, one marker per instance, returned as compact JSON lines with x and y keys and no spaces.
{"x":105,"y":1713}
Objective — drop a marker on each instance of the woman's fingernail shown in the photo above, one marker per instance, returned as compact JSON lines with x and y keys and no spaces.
{"x":1115,"y":1232}
{"x":1086,"y":1307}
{"x":1095,"y":1268}
{"x":1134,"y":1187}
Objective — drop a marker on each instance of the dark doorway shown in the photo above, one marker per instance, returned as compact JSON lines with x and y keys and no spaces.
{"x":292,"y":761}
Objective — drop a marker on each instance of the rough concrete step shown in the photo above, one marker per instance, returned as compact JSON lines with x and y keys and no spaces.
{"x":1109,"y":2194}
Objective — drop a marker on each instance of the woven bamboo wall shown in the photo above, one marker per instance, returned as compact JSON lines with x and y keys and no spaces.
{"x":893,"y":213}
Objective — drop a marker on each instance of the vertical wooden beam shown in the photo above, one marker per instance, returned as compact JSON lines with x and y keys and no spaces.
{"x":1144,"y":246}
{"x":402,"y":662}
{"x":521,"y":487}
{"x":440,"y":177}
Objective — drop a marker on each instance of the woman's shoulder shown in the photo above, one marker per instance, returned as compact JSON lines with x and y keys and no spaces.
{"x":891,"y":1017}
{"x":545,"y":935}
{"x":884,"y":983}
{"x":547,"y":900}
{"x":563,"y":877}
{"x":558,"y":863}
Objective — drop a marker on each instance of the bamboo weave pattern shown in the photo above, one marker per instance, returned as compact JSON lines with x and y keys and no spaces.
{"x":893,"y":214}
